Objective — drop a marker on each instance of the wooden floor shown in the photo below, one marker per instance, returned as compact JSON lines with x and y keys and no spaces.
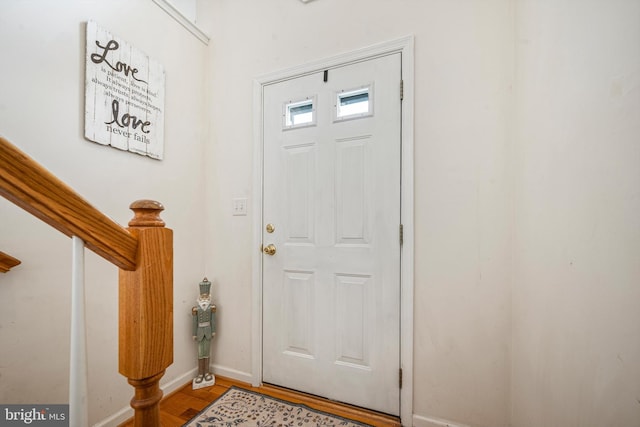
{"x":183,"y":404}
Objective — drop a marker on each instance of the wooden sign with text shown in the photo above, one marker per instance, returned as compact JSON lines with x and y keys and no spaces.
{"x":124,"y":95}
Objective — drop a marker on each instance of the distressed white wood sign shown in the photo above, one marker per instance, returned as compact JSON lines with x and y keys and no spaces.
{"x":124,"y":95}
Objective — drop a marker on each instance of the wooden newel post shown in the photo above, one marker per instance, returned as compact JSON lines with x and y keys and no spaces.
{"x":146,"y":312}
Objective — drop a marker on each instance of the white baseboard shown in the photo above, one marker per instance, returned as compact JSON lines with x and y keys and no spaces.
{"x":234,"y":374}
{"x":125,"y":413}
{"x":420,"y":421}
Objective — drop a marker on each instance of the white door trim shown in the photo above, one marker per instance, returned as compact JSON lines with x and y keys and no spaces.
{"x":405,"y":47}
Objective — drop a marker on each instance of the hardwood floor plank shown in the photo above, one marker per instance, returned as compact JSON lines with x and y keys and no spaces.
{"x":179,"y":402}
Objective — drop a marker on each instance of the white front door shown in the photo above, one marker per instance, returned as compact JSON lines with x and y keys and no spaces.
{"x":331,"y":210}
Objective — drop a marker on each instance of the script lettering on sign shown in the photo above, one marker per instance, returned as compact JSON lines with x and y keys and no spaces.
{"x":124,"y":95}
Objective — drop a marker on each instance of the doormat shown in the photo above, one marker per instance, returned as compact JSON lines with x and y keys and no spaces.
{"x":240,"y":407}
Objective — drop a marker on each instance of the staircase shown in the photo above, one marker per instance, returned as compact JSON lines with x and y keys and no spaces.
{"x":144,"y":254}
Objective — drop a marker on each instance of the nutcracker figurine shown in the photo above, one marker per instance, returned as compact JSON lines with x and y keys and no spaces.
{"x":204,"y":328}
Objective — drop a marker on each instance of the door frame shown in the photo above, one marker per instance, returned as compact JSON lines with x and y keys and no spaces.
{"x":405,"y":47}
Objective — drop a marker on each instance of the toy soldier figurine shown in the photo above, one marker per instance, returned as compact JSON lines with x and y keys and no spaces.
{"x":204,"y":328}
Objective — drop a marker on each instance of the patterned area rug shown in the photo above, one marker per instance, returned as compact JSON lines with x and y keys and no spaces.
{"x":239,"y":407}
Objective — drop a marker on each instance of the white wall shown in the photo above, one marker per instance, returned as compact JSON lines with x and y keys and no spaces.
{"x":42,"y":112}
{"x":576,"y":295}
{"x":463,"y":69}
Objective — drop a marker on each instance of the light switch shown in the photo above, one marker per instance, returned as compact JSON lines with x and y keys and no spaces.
{"x":239,"y":206}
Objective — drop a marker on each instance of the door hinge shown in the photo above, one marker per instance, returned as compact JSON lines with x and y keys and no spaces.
{"x":401,"y":90}
{"x":400,"y":378}
{"x":401,"y":234}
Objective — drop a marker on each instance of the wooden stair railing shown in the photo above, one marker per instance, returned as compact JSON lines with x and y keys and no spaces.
{"x":7,"y":262}
{"x":143,"y":252}
{"x":146,"y":312}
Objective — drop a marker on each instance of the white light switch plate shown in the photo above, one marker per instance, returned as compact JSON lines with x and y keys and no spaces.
{"x":239,"y":206}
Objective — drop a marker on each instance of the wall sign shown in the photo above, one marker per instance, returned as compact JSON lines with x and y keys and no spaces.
{"x":124,"y":95}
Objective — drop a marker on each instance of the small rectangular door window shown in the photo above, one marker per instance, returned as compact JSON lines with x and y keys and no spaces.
{"x":354,"y":103}
{"x":299,"y":113}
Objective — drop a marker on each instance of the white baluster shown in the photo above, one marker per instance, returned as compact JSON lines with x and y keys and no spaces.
{"x":78,"y":404}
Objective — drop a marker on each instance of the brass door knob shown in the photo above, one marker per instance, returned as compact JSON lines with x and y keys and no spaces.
{"x":269,"y":249}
